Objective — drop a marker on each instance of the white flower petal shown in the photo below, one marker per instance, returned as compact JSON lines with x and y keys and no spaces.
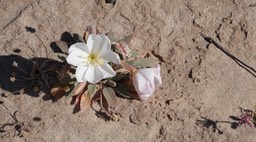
{"x":93,"y":75}
{"x":111,"y":56}
{"x":107,"y":70}
{"x":96,"y":43}
{"x":79,"y":47}
{"x":74,"y":58}
{"x":105,"y":44}
{"x":80,"y":72}
{"x":98,"y":46}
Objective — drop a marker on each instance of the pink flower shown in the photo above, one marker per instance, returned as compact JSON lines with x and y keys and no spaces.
{"x":146,"y":81}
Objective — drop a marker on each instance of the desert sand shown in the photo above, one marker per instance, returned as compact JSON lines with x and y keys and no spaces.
{"x":199,"y":79}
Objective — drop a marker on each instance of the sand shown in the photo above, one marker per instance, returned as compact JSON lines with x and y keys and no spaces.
{"x":199,"y":79}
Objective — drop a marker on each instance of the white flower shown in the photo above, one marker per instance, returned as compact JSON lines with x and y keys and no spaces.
{"x":146,"y":81}
{"x":92,"y":59}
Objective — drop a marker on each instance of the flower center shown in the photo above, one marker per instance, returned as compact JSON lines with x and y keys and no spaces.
{"x":95,"y":60}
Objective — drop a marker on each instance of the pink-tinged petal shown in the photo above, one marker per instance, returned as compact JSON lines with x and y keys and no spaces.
{"x":80,"y":72}
{"x":111,"y":56}
{"x":144,"y":97}
{"x":148,"y":74}
{"x":158,"y":79}
{"x":143,"y":86}
{"x":76,"y":58}
{"x":79,"y":47}
{"x":146,"y":81}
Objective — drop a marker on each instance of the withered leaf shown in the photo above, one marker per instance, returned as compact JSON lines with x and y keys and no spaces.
{"x":58,"y":91}
{"x":111,"y":83}
{"x":63,"y":46}
{"x":62,"y":56}
{"x":79,"y":88}
{"x":85,"y":101}
{"x":109,"y":95}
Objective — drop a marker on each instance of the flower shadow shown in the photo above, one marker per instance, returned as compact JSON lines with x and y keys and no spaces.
{"x":29,"y":76}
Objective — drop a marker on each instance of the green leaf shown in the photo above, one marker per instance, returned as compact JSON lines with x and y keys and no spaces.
{"x":127,"y":39}
{"x":143,"y":62}
{"x":134,"y":53}
{"x":109,"y":95}
{"x":120,"y":89}
{"x":111,"y":36}
{"x":92,"y":90}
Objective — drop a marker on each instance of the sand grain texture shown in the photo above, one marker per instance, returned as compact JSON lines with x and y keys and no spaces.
{"x":198,"y":78}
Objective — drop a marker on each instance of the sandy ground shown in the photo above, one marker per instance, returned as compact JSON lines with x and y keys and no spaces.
{"x":199,"y":79}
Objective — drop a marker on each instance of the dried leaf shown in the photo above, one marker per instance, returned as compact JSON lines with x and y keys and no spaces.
{"x":56,"y":90}
{"x":79,"y":88}
{"x":69,"y":92}
{"x":77,"y":101}
{"x":143,"y":62}
{"x":62,"y":56}
{"x":63,"y":46}
{"x":85,"y":101}
{"x":111,"y":83}
{"x":109,"y":95}
{"x":77,"y":104}
{"x":90,"y":30}
{"x":61,"y":90}
{"x":120,"y":89}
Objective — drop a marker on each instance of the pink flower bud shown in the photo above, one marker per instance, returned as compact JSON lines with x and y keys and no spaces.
{"x":146,"y":80}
